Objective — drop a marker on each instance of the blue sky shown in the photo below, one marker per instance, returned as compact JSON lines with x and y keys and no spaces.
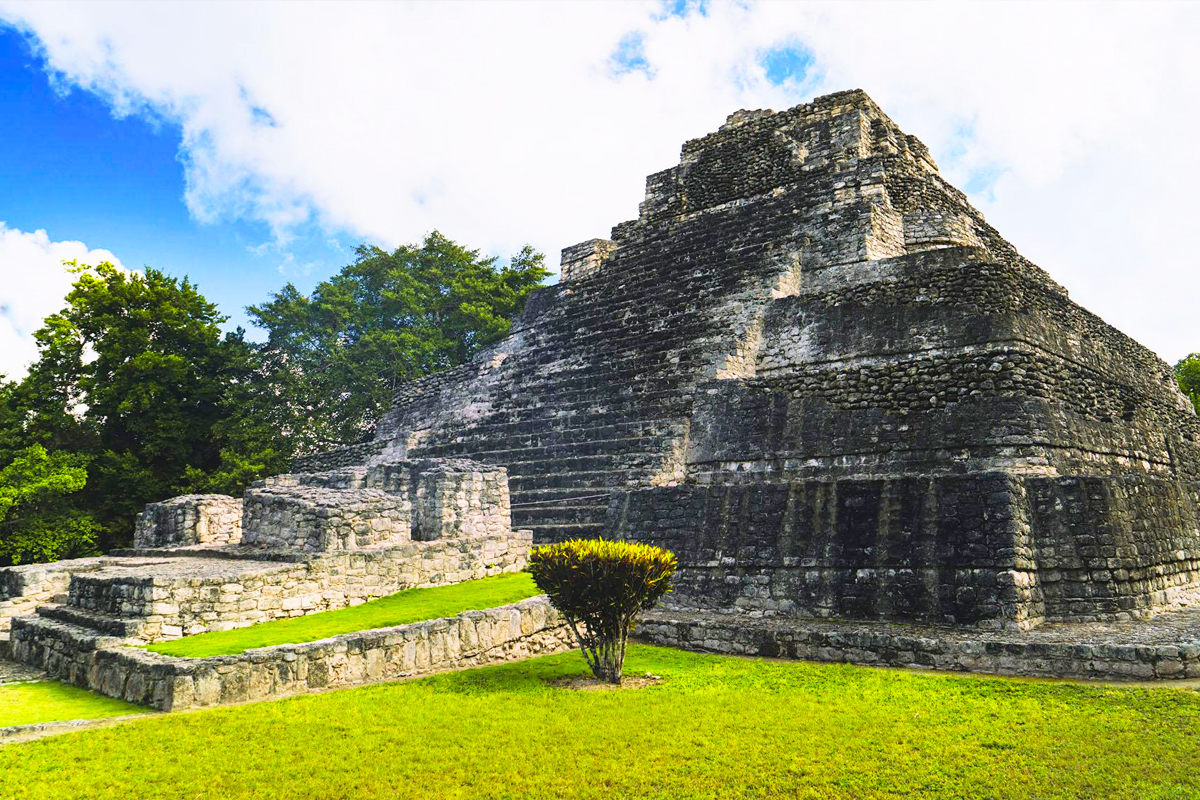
{"x":70,"y":166}
{"x":79,"y":170}
{"x":261,"y":141}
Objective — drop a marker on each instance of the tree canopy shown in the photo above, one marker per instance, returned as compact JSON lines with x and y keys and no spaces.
{"x":138,"y":395}
{"x":337,"y":355}
{"x":132,"y":379}
{"x":37,"y":520}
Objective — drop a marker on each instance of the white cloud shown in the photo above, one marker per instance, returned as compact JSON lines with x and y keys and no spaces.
{"x":33,"y":283}
{"x":502,"y":123}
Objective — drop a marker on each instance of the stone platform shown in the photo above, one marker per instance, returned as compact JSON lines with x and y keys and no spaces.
{"x":473,"y":638}
{"x":1165,"y":647}
{"x":296,"y":544}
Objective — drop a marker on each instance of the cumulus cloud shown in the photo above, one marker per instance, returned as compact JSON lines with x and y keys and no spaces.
{"x":502,"y":123}
{"x":33,"y":283}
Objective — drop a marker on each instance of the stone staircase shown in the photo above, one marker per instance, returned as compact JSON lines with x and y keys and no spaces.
{"x":641,"y":333}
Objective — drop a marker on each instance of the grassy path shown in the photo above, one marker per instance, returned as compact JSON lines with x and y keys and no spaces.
{"x":50,"y":701}
{"x":411,"y":605}
{"x":715,"y":727}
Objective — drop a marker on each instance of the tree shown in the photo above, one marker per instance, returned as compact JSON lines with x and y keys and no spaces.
{"x":136,"y":382}
{"x":1188,"y":373}
{"x":600,"y":587}
{"x":336,"y":357}
{"x":37,"y":521}
{"x":135,"y":375}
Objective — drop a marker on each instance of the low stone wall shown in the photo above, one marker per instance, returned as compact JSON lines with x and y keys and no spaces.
{"x":453,"y":498}
{"x":473,"y":638}
{"x":315,"y":519}
{"x":190,"y":595}
{"x":1168,"y":648}
{"x":190,"y":519}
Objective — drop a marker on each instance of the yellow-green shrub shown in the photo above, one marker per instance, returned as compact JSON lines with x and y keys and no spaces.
{"x":600,"y":586}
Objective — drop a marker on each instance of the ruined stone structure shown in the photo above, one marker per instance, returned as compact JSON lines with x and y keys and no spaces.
{"x":816,"y":373}
{"x":295,"y":544}
{"x":190,"y":519}
{"x":868,"y":427}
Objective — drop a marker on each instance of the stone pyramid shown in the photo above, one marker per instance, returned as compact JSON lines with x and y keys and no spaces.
{"x":814,"y":371}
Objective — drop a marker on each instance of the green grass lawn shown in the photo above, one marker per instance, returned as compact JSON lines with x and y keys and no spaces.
{"x":411,"y":605}
{"x":49,"y":701}
{"x":716,"y":727}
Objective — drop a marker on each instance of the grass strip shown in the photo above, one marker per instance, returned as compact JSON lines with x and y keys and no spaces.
{"x":410,"y":605}
{"x":50,"y":701}
{"x":716,"y":727}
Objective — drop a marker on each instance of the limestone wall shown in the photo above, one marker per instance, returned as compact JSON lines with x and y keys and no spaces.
{"x":190,"y":519}
{"x":472,"y":638}
{"x":380,"y":505}
{"x":938,"y":361}
{"x":449,"y":502}
{"x":186,"y":596}
{"x":988,"y":550}
{"x":945,"y":550}
{"x":315,"y":519}
{"x":1109,"y":548}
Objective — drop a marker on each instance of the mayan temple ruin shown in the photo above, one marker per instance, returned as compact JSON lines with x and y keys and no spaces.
{"x":870,"y":430}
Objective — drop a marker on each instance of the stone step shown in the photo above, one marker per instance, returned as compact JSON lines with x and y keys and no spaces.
{"x":497,"y":439}
{"x":565,"y":495}
{"x":81,"y":638}
{"x":101,"y":623}
{"x":591,"y":479}
{"x":562,"y":514}
{"x":558,"y":533}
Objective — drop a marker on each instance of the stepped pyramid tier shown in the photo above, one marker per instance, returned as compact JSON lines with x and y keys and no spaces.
{"x":814,"y":371}
{"x":293,"y":545}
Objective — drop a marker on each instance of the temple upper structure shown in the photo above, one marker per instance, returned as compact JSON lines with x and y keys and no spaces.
{"x":811,"y":368}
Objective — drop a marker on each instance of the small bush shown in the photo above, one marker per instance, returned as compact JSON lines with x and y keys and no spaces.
{"x":600,"y":587}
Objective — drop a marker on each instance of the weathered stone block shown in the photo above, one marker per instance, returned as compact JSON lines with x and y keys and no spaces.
{"x":190,"y":519}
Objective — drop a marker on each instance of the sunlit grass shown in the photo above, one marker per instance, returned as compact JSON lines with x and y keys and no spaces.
{"x":50,"y":701}
{"x":715,"y":727}
{"x":411,"y":605}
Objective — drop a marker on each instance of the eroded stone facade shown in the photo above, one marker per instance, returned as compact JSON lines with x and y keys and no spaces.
{"x":813,"y":370}
{"x":190,"y":519}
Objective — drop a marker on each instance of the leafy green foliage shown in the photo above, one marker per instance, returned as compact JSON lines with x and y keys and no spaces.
{"x":135,"y":377}
{"x":1188,"y":373}
{"x":37,"y":522}
{"x":335,"y":358}
{"x":401,"y":608}
{"x":601,"y":586}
